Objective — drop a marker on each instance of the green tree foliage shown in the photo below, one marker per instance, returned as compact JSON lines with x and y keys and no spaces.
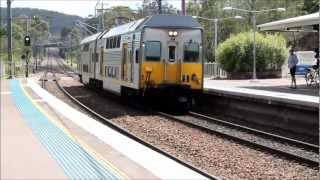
{"x":214,"y":9}
{"x":118,"y":15}
{"x":235,"y":54}
{"x":3,"y":32}
{"x":37,"y":29}
{"x":151,"y":7}
{"x":65,"y":33}
{"x":311,"y":6}
{"x":17,"y":32}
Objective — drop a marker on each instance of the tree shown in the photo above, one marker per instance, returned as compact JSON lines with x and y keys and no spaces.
{"x":3,"y":32}
{"x":65,"y":33}
{"x":235,"y":54}
{"x":118,"y":15}
{"x":151,"y":7}
{"x":311,"y":6}
{"x":214,"y":9}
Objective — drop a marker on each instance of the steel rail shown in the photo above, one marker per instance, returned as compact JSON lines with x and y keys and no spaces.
{"x":290,"y":156}
{"x":313,"y":147}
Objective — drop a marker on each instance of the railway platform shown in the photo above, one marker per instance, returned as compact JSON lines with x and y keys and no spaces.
{"x":269,"y":90}
{"x":267,"y":104}
{"x":44,"y":138}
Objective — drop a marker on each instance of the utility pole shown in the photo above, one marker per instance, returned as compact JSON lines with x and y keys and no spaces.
{"x":9,"y":30}
{"x":215,"y":39}
{"x":254,"y":23}
{"x":183,"y":7}
{"x":160,"y":6}
{"x":71,"y":49}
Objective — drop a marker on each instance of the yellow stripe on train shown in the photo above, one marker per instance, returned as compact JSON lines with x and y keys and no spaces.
{"x":175,"y":73}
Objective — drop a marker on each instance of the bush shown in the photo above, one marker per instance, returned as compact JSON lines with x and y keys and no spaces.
{"x":235,"y":54}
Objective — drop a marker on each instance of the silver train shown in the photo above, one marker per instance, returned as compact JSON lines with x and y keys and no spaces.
{"x":157,"y":56}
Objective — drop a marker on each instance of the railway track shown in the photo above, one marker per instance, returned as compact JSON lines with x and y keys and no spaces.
{"x":116,"y":127}
{"x":292,"y":156}
{"x":305,"y":145}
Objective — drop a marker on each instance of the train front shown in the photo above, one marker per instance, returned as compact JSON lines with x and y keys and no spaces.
{"x":172,"y":64}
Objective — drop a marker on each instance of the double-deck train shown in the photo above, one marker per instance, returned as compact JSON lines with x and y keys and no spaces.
{"x":157,"y":56}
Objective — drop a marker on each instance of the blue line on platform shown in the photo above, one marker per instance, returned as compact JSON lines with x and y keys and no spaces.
{"x":74,"y":160}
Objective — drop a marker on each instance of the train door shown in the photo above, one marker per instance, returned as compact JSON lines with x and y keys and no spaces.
{"x":172,"y":64}
{"x":90,"y":60}
{"x":130,"y":66}
{"x":124,"y":62}
{"x":101,"y":61}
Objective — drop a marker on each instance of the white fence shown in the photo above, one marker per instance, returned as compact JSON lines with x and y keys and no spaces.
{"x":213,"y":70}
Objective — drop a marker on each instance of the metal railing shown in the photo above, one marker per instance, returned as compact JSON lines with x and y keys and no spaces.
{"x":213,"y":70}
{"x":19,"y":69}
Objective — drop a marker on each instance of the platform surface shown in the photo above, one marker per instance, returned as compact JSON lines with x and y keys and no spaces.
{"x":267,"y":89}
{"x":65,"y":143}
{"x":22,"y":155}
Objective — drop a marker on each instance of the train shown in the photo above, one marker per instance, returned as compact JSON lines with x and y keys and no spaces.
{"x":158,"y":57}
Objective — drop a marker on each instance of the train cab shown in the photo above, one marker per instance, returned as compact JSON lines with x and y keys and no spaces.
{"x":172,"y":58}
{"x":157,"y":57}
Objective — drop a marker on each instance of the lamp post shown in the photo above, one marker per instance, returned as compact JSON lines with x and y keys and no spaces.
{"x":216,"y":20}
{"x":254,"y":13}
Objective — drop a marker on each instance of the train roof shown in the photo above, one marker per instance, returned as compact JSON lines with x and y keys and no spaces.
{"x":156,"y":21}
{"x":90,"y":38}
{"x":124,"y":28}
{"x":171,"y":21}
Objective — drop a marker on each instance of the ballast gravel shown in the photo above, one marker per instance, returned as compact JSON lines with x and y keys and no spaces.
{"x":217,"y":156}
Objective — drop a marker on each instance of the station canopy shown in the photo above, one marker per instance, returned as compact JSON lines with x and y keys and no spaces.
{"x":308,"y":22}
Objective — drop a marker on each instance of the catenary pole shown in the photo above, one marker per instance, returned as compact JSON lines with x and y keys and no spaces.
{"x":254,"y":75}
{"x":9,"y":30}
{"x":160,"y":6}
{"x":254,"y":23}
{"x":183,"y":7}
{"x":215,"y":38}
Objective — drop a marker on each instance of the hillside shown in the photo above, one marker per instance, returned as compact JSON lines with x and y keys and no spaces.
{"x":57,"y":20}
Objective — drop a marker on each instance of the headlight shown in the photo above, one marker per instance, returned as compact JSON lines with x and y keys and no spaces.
{"x":175,"y":33}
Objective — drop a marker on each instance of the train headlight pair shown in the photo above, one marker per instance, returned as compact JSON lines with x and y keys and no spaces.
{"x":173,"y":33}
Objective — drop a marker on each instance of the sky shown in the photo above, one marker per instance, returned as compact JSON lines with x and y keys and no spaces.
{"x":81,"y":8}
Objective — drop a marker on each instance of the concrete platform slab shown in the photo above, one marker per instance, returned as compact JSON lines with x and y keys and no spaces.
{"x":22,"y":155}
{"x":271,"y":90}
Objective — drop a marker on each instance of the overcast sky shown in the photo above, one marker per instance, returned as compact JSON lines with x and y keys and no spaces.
{"x":77,"y":7}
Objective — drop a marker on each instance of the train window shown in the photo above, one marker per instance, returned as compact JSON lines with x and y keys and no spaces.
{"x":110,"y":43}
{"x":172,"y":53}
{"x":107,"y":43}
{"x":105,"y":71}
{"x":85,"y":68}
{"x":85,"y":47}
{"x":191,"y":52}
{"x":118,"y":41}
{"x":137,"y":56}
{"x":114,"y":45}
{"x":153,"y":50}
